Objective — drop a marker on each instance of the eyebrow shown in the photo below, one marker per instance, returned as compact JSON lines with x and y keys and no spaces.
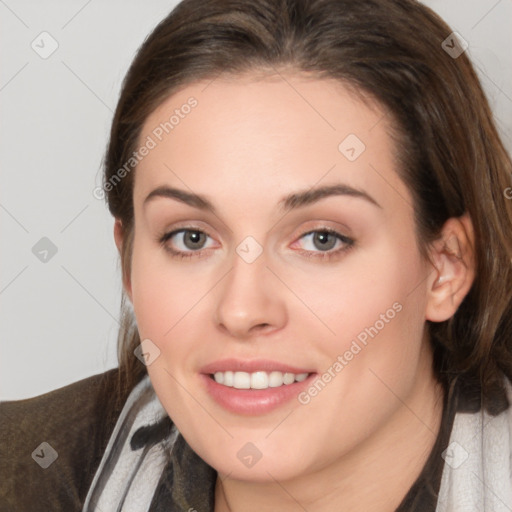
{"x":290,"y":202}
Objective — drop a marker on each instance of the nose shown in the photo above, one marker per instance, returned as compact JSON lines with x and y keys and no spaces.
{"x":250,"y":300}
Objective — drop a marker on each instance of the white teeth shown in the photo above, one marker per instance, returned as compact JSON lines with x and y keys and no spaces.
{"x":228,"y":379}
{"x":242,"y":380}
{"x":288,"y":378}
{"x":257,"y":380}
{"x":275,"y":379}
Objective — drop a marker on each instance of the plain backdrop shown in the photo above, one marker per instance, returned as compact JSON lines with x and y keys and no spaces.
{"x":60,"y":283}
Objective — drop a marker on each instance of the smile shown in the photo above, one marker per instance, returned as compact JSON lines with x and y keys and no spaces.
{"x":258,"y":379}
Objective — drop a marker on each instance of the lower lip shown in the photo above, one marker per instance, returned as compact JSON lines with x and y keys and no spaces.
{"x":254,"y":401}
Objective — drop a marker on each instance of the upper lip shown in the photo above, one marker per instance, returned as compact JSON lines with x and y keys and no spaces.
{"x":254,"y":365}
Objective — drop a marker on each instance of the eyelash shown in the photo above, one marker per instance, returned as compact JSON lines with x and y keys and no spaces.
{"x":323,"y":255}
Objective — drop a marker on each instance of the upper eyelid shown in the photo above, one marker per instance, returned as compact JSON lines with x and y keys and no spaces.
{"x":303,"y":232}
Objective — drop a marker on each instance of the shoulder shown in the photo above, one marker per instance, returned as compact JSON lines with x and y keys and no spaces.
{"x":480,"y":445}
{"x":51,"y":445}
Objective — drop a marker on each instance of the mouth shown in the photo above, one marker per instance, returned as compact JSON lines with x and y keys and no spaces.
{"x":254,"y":387}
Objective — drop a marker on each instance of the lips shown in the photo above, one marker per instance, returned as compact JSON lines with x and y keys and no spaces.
{"x":254,"y":401}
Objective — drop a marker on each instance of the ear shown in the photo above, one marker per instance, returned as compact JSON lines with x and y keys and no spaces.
{"x":454,"y":268}
{"x":118,"y":237}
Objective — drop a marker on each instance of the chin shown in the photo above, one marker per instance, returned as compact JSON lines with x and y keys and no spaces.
{"x":255,"y":462}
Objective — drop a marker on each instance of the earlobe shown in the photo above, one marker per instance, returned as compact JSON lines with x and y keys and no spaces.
{"x":454,"y":269}
{"x":119,"y":237}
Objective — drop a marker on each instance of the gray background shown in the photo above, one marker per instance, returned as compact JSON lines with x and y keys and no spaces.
{"x":59,"y":317}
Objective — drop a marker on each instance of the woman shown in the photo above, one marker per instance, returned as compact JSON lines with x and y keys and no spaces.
{"x":311,"y":212}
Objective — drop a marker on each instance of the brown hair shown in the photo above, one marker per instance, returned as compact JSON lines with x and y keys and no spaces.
{"x":450,"y":155}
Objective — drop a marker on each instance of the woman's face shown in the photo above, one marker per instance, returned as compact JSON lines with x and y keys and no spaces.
{"x":293,"y":252}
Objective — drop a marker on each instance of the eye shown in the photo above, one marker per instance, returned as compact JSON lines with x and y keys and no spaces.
{"x":187,"y":242}
{"x":321,"y":242}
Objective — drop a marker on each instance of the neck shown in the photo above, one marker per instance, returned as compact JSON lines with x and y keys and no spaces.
{"x":374,"y":477}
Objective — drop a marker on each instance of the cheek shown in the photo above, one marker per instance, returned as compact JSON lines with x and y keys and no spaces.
{"x":170,"y":305}
{"x":365,"y":294}
{"x":380,"y":330}
{"x":162,"y":292}
{"x":163,"y":300}
{"x":376,"y":311}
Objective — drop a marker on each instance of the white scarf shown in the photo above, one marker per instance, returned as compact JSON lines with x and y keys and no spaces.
{"x":477,"y":473}
{"x":126,"y":479}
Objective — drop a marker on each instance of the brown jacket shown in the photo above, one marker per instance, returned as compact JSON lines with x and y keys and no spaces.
{"x":73,"y":422}
{"x":76,"y":422}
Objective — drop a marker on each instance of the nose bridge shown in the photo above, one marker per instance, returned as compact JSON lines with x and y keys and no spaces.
{"x":249,"y":298}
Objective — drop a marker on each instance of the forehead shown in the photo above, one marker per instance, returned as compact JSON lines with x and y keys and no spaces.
{"x":254,"y":135}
